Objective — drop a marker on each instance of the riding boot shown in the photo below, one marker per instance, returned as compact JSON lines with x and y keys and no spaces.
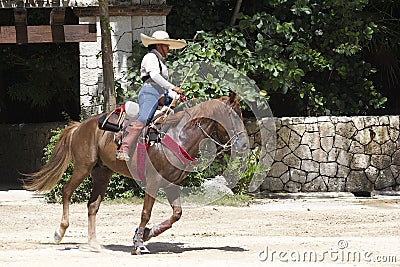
{"x":133,"y":131}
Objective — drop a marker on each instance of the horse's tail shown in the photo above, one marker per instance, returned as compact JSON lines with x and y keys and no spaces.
{"x":47,"y":177}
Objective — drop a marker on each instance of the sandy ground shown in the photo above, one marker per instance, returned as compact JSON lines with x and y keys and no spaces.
{"x":293,"y":231}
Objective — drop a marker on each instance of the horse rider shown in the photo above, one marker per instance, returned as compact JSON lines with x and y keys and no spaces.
{"x":154,"y":74}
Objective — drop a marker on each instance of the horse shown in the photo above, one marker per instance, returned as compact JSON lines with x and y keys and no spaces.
{"x":93,"y":152}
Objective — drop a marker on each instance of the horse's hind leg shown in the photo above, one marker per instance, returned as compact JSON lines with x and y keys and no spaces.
{"x":79,"y":173}
{"x":101,"y":177}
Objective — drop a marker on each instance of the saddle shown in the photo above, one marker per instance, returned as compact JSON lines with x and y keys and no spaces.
{"x":117,"y":120}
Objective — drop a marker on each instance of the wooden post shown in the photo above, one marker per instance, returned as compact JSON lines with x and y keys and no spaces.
{"x":107,"y":58}
{"x":57,"y":17}
{"x":21,"y":31}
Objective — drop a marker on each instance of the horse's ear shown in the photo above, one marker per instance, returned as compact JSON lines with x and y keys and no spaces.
{"x":232,"y":96}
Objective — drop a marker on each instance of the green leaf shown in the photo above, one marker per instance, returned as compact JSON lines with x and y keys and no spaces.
{"x":241,"y":42}
{"x":260,"y":24}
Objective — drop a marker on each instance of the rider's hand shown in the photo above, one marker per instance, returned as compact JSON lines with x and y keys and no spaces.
{"x":178,"y":90}
{"x":173,"y":94}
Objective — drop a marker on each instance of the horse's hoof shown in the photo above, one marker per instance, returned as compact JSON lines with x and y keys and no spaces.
{"x":91,"y":247}
{"x":140,"y":250}
{"x":57,"y":237}
{"x":146,"y":234}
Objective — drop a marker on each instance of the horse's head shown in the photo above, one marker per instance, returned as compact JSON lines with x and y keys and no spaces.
{"x":222,"y":116}
{"x":231,"y":126}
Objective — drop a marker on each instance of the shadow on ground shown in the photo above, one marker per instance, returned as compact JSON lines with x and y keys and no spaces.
{"x":166,"y":247}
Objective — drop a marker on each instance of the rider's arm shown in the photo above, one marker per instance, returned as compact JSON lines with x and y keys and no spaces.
{"x":157,"y":78}
{"x":164,"y":83}
{"x":151,"y":67}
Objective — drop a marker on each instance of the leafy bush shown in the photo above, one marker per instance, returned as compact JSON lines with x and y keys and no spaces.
{"x":306,"y":55}
{"x":253,"y":167}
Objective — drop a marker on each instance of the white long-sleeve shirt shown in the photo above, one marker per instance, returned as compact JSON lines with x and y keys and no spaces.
{"x":151,"y":66}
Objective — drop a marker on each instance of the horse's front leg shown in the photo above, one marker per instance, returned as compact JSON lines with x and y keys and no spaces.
{"x":138,"y":239}
{"x":173,"y":195}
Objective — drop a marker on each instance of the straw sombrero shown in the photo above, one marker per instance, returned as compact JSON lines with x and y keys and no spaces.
{"x":162,"y":37}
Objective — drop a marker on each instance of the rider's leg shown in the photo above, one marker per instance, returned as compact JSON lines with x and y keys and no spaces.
{"x":132,"y":133}
{"x":148,"y":103}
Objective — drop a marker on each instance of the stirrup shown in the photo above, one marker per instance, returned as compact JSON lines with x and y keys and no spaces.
{"x":122,"y":155}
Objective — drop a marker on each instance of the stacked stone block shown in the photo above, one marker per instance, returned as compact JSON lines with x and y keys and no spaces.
{"x":354,"y":154}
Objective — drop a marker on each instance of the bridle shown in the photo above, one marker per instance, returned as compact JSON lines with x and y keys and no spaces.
{"x":225,"y":146}
{"x":228,"y":145}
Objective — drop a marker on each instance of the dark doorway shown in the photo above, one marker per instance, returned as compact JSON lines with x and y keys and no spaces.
{"x":39,"y":90}
{"x":38,"y":82}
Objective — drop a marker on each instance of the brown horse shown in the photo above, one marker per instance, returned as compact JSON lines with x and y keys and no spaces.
{"x":93,"y":152}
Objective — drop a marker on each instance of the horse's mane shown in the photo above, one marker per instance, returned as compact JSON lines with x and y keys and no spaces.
{"x":203,"y":109}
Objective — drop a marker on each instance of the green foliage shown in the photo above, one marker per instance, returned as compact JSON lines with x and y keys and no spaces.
{"x":384,"y":49}
{"x":253,"y":167}
{"x":119,"y":186}
{"x":188,"y":17}
{"x":199,"y":72}
{"x":40,"y":83}
{"x":309,"y":53}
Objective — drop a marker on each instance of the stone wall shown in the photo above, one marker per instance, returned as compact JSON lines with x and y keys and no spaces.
{"x":354,"y":154}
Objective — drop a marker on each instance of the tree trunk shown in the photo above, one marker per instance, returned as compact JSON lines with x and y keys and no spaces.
{"x":235,"y":12}
{"x":107,"y":58}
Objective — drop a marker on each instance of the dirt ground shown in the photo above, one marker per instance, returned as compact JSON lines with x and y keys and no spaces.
{"x":294,"y":231}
